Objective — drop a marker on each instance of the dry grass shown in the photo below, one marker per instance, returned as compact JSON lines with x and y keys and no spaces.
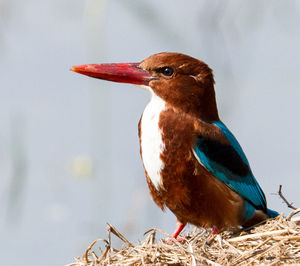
{"x":273,"y":243}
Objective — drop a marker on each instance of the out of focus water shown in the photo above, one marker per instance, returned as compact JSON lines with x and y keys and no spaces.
{"x":69,"y":155}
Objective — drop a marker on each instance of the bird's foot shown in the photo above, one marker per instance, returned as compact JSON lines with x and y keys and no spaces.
{"x":215,"y":231}
{"x":177,"y":231}
{"x":171,"y":240}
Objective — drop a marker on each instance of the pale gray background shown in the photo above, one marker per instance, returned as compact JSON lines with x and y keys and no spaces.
{"x":69,"y":155}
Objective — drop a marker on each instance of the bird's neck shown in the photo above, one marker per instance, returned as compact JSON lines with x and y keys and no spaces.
{"x":206,"y":109}
{"x":198,"y":101}
{"x":203,"y":107}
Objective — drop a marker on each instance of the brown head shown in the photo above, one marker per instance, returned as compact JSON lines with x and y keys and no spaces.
{"x":181,"y":81}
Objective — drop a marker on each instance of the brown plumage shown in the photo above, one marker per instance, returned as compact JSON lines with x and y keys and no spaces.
{"x":187,"y":187}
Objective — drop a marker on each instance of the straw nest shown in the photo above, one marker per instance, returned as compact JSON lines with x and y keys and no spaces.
{"x":275,"y":242}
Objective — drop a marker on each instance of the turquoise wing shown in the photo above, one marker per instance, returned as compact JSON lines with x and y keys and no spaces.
{"x":228,"y":163}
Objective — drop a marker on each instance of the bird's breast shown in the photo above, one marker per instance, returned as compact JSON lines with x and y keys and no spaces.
{"x":151,"y":140}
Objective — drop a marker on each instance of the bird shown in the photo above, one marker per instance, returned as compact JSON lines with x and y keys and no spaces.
{"x":194,"y":165}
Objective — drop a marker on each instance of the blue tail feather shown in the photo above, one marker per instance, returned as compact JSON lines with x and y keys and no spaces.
{"x":272,"y":214}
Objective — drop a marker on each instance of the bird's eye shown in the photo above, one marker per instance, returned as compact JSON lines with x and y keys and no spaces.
{"x":167,"y":71}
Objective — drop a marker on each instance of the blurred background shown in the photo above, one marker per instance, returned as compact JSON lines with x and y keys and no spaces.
{"x":69,"y":154}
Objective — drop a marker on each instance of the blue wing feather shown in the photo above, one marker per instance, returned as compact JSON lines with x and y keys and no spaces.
{"x":229,"y":164}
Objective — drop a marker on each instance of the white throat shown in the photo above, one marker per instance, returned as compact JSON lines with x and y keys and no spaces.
{"x":151,"y":139}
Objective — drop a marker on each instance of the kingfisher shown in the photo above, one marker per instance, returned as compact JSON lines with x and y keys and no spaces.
{"x":193,"y":163}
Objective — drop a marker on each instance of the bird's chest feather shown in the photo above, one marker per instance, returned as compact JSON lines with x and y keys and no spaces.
{"x":152,"y":144}
{"x":166,"y":141}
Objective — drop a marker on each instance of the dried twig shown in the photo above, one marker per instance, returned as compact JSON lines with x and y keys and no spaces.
{"x":118,"y":234}
{"x":258,"y":235}
{"x":290,"y":205}
{"x":294,"y":212}
{"x":86,"y":254}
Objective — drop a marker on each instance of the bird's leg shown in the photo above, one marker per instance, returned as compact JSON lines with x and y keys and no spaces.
{"x":179,"y":228}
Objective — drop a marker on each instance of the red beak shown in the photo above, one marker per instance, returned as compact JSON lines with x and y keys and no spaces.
{"x":123,"y":72}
